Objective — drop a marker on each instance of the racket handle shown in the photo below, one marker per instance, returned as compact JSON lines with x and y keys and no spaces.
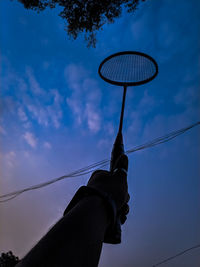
{"x":114,"y":236}
{"x":117,"y":151}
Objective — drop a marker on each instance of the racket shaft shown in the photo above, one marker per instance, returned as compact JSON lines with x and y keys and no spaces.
{"x":122,"y":110}
{"x":118,"y":147}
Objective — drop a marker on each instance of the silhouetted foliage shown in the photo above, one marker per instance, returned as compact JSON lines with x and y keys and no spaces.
{"x":86,"y":16}
{"x":8,"y":259}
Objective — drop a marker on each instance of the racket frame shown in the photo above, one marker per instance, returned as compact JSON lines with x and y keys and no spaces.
{"x":128,"y":83}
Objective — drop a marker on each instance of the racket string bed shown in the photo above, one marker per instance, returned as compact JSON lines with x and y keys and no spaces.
{"x":128,"y":68}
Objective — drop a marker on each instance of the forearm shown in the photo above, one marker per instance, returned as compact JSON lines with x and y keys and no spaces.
{"x":76,"y":240}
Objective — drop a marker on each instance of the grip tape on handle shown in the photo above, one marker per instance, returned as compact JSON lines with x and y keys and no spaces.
{"x":114,"y":236}
{"x":117,"y":151}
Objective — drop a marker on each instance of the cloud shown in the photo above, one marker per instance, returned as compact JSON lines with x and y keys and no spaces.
{"x":55,"y":117}
{"x":55,"y":110}
{"x":136,"y":121}
{"x":85,"y":98}
{"x":147,"y":103}
{"x":22,"y":85}
{"x":137,"y":117}
{"x":10,"y":159}
{"x":33,"y":83}
{"x":22,"y":114}
{"x":93,"y":118}
{"x":47,"y":145}
{"x":57,"y":97}
{"x":75,"y":106}
{"x":30,"y":139}
{"x":75,"y":75}
{"x":39,"y":113}
{"x":49,"y":114}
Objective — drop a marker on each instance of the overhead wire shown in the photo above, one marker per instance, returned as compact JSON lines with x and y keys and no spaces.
{"x":77,"y":173}
{"x":175,"y":256}
{"x":99,"y":164}
{"x":162,"y":139}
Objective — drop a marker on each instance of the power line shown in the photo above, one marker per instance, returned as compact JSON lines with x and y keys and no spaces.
{"x":175,"y":256}
{"x":99,"y":164}
{"x":77,"y":173}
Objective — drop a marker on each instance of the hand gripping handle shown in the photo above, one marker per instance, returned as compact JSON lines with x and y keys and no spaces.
{"x":113,"y":235}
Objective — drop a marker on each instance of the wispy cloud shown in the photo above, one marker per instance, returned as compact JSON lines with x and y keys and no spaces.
{"x":93,"y":118}
{"x":75,"y":75}
{"x":76,"y":108}
{"x":33,"y":103}
{"x":146,"y":103}
{"x":33,"y":83}
{"x":10,"y":158}
{"x":30,"y":139}
{"x":39,"y":113}
{"x":47,"y":145}
{"x":47,"y":115}
{"x":22,"y":115}
{"x":85,"y":98}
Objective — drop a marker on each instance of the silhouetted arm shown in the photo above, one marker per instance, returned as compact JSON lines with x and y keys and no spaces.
{"x":75,"y":240}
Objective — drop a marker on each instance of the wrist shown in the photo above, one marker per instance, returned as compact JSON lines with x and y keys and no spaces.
{"x":88,"y":192}
{"x":96,"y":206}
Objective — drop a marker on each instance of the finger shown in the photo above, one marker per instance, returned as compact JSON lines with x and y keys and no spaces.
{"x":97,"y":176}
{"x":125,"y":209}
{"x":123,"y":219}
{"x":123,"y":212}
{"x":128,"y":198}
{"x":100,"y":173}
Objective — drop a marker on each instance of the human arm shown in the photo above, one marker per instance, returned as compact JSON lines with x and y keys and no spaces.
{"x":76,"y":240}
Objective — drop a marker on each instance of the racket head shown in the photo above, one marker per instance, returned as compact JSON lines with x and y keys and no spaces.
{"x":128,"y":68}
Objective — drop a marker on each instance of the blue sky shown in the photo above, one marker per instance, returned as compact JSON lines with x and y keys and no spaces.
{"x":57,"y":115}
